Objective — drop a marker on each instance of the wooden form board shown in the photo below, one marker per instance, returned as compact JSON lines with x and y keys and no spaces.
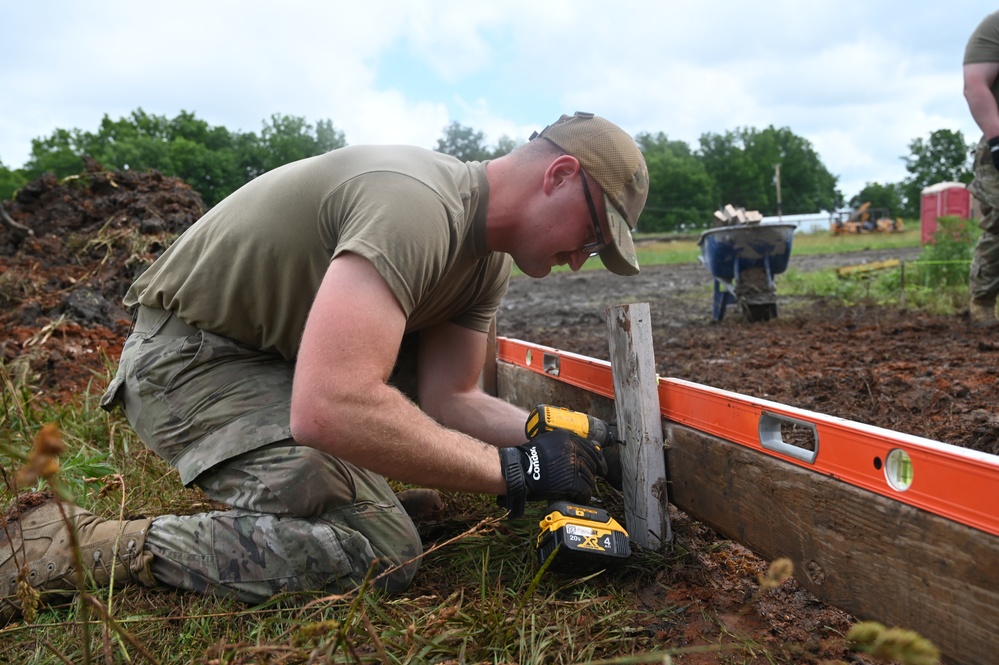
{"x":872,"y":556}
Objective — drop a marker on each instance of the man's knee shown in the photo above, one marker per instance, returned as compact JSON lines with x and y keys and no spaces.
{"x":392,"y":538}
{"x":285,"y":478}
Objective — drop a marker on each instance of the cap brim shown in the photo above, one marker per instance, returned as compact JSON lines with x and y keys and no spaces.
{"x":619,"y":257}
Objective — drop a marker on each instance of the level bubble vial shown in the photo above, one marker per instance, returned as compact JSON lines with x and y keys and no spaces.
{"x":898,"y":469}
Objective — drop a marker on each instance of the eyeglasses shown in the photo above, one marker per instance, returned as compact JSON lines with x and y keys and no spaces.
{"x":592,"y":248}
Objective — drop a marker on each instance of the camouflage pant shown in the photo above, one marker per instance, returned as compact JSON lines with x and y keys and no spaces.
{"x":984,"y":276}
{"x":303,"y":520}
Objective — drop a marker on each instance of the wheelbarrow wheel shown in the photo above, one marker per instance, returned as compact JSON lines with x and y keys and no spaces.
{"x":761,"y":312}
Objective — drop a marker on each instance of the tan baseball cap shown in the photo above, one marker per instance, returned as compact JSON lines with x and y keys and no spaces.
{"x":612,"y":158}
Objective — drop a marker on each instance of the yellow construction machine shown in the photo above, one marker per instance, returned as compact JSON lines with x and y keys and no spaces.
{"x":865,"y":219}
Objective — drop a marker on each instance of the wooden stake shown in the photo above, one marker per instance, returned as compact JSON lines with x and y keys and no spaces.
{"x":639,"y":423}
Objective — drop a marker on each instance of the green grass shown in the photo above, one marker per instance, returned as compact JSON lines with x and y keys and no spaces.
{"x":936,"y":282}
{"x":823,"y":242}
{"x":654,"y":250}
{"x":479,"y":597}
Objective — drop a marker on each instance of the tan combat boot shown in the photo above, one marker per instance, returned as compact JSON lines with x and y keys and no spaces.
{"x":421,"y":504}
{"x":983,"y":311}
{"x":36,"y":551}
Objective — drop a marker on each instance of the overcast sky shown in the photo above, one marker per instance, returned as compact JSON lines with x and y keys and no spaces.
{"x":860,"y":79}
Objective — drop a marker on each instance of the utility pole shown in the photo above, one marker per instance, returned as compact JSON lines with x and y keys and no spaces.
{"x":779,"y":210}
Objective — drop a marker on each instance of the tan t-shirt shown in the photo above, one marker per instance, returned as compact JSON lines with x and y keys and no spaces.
{"x":250,"y":268}
{"x":983,"y":46}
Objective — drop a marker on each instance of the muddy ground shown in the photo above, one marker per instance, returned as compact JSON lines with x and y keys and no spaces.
{"x":68,"y":251}
{"x":932,"y":376}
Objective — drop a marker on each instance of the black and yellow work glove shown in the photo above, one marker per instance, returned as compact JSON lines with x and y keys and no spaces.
{"x":553,"y":465}
{"x":994,"y":150}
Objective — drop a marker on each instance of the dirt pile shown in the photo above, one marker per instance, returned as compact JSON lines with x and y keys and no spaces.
{"x":69,"y":249}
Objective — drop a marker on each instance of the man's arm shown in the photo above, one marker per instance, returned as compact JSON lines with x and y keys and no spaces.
{"x":978,"y":80}
{"x":450,"y":360}
{"x":341,"y":401}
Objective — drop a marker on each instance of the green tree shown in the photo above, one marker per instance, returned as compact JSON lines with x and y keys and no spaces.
{"x":213,"y":160}
{"x":680,"y":190}
{"x":288,"y":138}
{"x":943,"y":157}
{"x":58,"y":154}
{"x":206,"y":157}
{"x":888,"y":196}
{"x":139,"y":142}
{"x":736,"y":178}
{"x":743,"y":165}
{"x":464,"y":143}
{"x":213,"y":173}
{"x":504,"y":146}
{"x":10,"y":181}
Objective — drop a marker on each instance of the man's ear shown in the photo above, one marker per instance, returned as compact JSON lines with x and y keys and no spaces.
{"x":562,"y":169}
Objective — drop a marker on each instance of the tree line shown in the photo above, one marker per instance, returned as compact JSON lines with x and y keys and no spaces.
{"x":944,"y":156}
{"x":213,"y":160}
{"x":739,"y":167}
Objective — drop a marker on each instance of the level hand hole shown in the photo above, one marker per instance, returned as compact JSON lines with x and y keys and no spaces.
{"x":789,"y":436}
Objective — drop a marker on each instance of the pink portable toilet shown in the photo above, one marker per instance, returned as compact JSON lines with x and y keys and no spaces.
{"x":944,"y":199}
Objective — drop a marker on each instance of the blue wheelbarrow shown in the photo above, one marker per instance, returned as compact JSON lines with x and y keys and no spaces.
{"x":743,"y":260}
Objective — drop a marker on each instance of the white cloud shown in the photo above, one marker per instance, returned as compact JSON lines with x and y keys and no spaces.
{"x":859,"y":79}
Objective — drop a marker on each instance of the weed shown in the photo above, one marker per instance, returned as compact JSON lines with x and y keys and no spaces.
{"x":944,"y":262}
{"x":937,"y":282}
{"x":893,"y":644}
{"x":778,"y":571}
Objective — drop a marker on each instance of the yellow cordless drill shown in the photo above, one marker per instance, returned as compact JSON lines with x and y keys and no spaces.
{"x":546,"y":418}
{"x":583,"y":534}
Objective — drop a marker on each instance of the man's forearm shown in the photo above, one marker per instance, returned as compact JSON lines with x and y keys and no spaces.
{"x":379,"y":429}
{"x":485,"y":417}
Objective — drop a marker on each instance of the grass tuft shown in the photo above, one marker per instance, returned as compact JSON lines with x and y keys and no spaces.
{"x":937,"y":282}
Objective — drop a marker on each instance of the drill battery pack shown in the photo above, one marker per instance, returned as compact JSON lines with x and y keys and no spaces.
{"x":585,"y":536}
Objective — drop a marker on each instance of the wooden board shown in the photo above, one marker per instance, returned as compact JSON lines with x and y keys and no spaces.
{"x":526,"y":389}
{"x":874,"y":557}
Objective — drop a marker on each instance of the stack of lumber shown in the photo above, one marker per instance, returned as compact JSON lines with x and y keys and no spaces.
{"x":730,"y":216}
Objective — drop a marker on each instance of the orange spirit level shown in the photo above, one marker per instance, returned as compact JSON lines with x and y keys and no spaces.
{"x":950,"y":481}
